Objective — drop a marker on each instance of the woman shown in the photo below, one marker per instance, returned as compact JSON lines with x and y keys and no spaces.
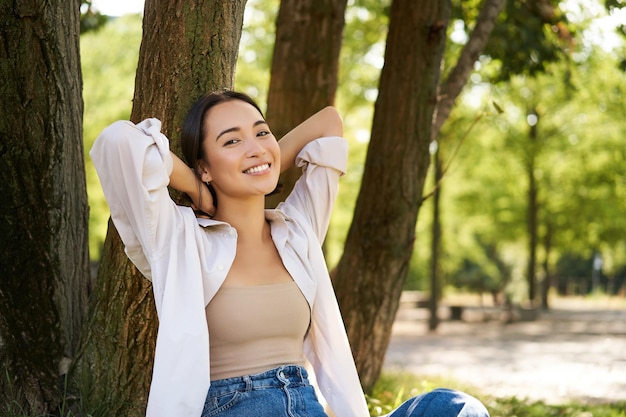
{"x":251,"y":281}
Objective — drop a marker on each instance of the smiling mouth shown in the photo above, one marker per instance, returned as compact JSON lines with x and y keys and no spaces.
{"x":257,"y":169}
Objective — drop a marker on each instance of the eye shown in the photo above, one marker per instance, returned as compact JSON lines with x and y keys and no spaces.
{"x":264,"y":133}
{"x":231,"y":142}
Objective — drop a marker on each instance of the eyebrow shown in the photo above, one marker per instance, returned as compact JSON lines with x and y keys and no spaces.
{"x":236,"y":129}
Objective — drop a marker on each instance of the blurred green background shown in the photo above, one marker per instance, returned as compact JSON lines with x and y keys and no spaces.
{"x":575,"y":107}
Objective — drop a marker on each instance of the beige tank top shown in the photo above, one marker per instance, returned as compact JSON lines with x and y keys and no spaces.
{"x":256,"y":328}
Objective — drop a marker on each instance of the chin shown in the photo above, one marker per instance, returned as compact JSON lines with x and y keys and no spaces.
{"x":276,"y":190}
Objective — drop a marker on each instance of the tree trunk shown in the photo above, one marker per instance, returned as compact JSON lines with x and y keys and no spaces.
{"x":450,"y":90}
{"x":532,"y":215}
{"x":372,"y":270}
{"x":305,"y":68}
{"x":547,"y":277}
{"x":194,"y":51}
{"x":435,"y":245}
{"x":44,"y":213}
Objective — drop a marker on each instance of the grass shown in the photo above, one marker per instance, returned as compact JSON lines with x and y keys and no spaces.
{"x":392,"y":389}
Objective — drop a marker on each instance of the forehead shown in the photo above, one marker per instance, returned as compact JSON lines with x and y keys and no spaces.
{"x":231,"y":114}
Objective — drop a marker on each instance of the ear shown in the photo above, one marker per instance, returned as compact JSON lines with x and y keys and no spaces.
{"x":204,"y":172}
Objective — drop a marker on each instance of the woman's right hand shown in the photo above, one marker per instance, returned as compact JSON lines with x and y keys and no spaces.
{"x":183,"y":179}
{"x":203,"y":205}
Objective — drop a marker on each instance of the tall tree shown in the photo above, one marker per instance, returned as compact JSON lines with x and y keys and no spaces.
{"x":43,"y":213}
{"x":369,"y":277}
{"x":181,"y":58}
{"x":381,"y":237}
{"x":304,"y":69}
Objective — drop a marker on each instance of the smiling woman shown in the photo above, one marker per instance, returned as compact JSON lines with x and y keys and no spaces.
{"x":255,"y":280}
{"x":118,"y":7}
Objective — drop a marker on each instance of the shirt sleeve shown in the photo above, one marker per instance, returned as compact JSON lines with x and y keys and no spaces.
{"x":134,"y":163}
{"x":322,"y":161}
{"x":327,"y":347}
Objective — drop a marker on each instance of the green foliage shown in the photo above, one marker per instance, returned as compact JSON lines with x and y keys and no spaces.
{"x":578,"y":160}
{"x":528,"y":35}
{"x":580,"y":157}
{"x":573,"y":269}
{"x":109,"y":60}
{"x":362,"y":52}
{"x":614,"y":4}
{"x":90,"y":19}
{"x":474,"y":276}
{"x":255,"y":50}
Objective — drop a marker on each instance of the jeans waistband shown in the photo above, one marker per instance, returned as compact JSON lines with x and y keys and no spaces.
{"x":277,"y":377}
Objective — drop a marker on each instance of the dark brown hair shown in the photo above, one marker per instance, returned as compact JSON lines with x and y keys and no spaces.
{"x":194,"y":127}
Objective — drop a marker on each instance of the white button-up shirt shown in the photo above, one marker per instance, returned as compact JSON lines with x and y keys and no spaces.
{"x":188,"y":258}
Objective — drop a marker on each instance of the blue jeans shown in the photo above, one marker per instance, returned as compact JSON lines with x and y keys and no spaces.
{"x":441,"y":403}
{"x":286,"y":392}
{"x":280,"y":392}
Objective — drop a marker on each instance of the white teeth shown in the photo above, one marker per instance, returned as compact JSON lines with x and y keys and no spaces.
{"x":256,"y":169}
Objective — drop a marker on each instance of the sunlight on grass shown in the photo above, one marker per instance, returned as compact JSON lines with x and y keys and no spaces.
{"x":392,"y":389}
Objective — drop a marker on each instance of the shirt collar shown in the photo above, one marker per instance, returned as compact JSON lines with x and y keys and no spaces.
{"x":277,"y":219}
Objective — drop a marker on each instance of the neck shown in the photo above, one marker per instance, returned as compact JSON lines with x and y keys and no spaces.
{"x":247,"y":217}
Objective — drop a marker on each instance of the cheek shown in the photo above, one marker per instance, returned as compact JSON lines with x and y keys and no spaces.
{"x":274,"y":148}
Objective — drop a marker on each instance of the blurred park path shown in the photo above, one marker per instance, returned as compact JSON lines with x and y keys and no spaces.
{"x":576,"y":351}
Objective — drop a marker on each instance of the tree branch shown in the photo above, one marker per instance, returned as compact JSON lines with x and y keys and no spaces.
{"x":456,"y":80}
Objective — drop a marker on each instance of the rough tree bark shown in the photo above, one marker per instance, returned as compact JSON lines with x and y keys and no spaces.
{"x":305,"y":67}
{"x":188,"y":49}
{"x":44,"y":260}
{"x":369,"y":277}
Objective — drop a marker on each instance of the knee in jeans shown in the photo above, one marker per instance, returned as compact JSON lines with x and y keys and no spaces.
{"x":445,"y":403}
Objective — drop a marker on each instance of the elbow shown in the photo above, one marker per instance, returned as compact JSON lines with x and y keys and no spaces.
{"x":118,"y":137}
{"x":114,"y":136}
{"x":333,"y":122}
{"x":113,"y":141}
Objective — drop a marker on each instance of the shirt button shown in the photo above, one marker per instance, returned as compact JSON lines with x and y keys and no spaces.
{"x":220,"y":267}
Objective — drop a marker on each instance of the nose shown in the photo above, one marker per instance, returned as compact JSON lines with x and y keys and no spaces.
{"x":255,"y":148}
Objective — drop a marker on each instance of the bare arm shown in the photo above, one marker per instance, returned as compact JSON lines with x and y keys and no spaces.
{"x":184,"y":180}
{"x":326,"y":122}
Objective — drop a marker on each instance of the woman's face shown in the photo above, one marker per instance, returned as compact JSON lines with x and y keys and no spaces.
{"x":242,"y":157}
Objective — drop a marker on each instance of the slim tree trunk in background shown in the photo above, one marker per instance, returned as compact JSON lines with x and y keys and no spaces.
{"x":370,"y":275}
{"x":450,"y":90}
{"x":546,"y":284}
{"x":188,"y":49}
{"x":305,"y":68}
{"x":44,"y":260}
{"x":532,"y":213}
{"x":435,"y":247}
